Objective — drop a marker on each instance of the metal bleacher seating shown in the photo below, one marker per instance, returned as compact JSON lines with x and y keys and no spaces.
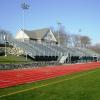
{"x":33,"y":48}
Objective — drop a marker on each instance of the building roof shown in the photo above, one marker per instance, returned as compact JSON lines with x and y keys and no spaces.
{"x":37,"y":34}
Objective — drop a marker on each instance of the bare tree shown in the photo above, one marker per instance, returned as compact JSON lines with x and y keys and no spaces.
{"x":75,"y":40}
{"x":64,"y":37}
{"x":80,"y":41}
{"x":4,"y":34}
{"x":96,"y":47}
{"x":67,"y":39}
{"x":85,"y":41}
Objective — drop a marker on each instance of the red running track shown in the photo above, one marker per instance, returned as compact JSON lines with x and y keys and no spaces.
{"x":21,"y":76}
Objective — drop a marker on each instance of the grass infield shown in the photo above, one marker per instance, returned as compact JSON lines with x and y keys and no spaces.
{"x":79,"y":86}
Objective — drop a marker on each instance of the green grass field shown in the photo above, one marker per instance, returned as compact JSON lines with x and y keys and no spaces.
{"x":13,"y":59}
{"x":79,"y":86}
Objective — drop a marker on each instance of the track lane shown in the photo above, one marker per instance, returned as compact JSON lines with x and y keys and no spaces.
{"x":21,"y":76}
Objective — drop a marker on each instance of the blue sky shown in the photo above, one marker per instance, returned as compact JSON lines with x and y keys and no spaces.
{"x":73,"y":14}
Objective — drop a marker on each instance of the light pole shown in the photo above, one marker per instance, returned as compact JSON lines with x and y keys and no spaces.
{"x":5,"y":45}
{"x":78,"y":34}
{"x":24,"y":7}
{"x":59,"y":26}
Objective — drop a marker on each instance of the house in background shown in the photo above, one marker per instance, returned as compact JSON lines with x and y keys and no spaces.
{"x":40,"y":35}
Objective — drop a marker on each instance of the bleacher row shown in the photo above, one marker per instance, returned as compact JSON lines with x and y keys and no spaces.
{"x":51,"y":52}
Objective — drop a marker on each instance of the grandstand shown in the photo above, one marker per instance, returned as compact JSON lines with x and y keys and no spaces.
{"x":42,"y":45}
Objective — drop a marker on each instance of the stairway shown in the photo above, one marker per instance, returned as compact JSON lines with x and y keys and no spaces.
{"x":63,"y":59}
